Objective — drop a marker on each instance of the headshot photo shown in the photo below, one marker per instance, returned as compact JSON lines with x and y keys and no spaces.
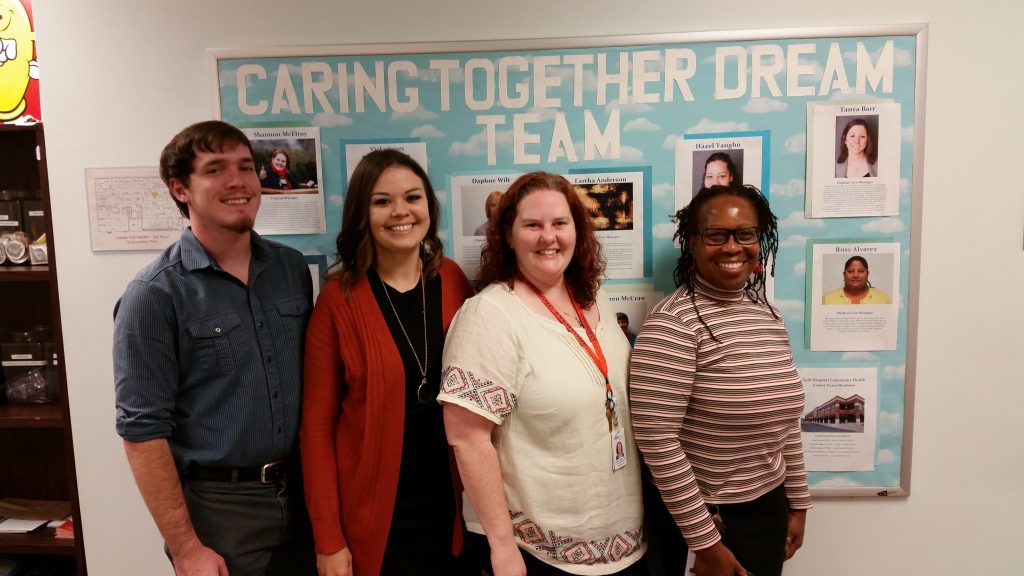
{"x":490,"y":209}
{"x":856,"y":146}
{"x":857,"y":279}
{"x":717,"y":168}
{"x":286,"y":166}
{"x":623,"y":320}
{"x":479,"y":203}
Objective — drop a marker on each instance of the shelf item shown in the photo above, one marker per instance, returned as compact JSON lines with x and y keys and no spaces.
{"x":19,"y":525}
{"x":64,"y":530}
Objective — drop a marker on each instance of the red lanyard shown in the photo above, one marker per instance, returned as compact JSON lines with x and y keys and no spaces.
{"x":595,"y":353}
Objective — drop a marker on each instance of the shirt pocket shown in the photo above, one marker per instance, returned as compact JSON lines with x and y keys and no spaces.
{"x":212,"y":338}
{"x":294,"y":311}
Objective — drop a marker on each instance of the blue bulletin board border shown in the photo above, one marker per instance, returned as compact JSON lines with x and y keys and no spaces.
{"x":597,"y":103}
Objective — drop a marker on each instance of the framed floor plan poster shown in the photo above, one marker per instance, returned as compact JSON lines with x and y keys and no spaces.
{"x":131,"y":209}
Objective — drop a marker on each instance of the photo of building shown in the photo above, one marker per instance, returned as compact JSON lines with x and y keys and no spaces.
{"x":836,"y":415}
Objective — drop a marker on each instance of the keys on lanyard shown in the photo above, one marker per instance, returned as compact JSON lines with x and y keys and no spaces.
{"x":616,"y":434}
{"x":609,"y":407}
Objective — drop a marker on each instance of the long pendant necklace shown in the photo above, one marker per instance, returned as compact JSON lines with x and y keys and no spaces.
{"x":423,"y":390}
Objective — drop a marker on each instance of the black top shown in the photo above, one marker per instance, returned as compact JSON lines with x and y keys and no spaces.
{"x":409,"y":306}
{"x":420,"y":535}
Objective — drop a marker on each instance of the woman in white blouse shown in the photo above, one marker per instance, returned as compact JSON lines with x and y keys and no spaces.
{"x":534,"y":394}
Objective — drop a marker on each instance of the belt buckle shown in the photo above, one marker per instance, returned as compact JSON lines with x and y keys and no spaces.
{"x":268,"y":469}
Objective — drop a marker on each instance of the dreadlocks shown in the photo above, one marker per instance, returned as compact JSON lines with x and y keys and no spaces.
{"x":688,"y":224}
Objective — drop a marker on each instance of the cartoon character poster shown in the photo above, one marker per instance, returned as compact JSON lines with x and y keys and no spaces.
{"x":19,"y":71}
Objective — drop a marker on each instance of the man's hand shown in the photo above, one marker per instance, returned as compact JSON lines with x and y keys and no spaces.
{"x":153,"y":467}
{"x":198,"y":560}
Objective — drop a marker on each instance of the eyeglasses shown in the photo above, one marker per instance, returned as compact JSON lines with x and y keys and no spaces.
{"x":719,"y":236}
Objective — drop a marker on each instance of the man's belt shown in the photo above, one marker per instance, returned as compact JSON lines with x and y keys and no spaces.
{"x":270,"y":473}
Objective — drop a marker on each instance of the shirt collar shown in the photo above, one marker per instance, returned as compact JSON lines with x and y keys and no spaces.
{"x":195,"y":257}
{"x":700,"y":286}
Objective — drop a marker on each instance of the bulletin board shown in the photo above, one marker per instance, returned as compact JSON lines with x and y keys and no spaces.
{"x":635,"y":118}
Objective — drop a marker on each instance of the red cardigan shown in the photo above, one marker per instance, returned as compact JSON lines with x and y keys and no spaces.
{"x":351,"y":434}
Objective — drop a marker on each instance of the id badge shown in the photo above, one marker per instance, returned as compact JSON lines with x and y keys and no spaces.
{"x":618,"y":449}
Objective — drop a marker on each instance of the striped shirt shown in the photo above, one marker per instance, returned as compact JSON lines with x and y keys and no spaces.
{"x":717,"y":422}
{"x":209,"y":363}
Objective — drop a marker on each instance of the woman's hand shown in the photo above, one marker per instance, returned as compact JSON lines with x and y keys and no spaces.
{"x":337,"y":564}
{"x":469,"y":435}
{"x":795,"y":532}
{"x":506,"y":560}
{"x":716,"y":561}
{"x":263,"y":172}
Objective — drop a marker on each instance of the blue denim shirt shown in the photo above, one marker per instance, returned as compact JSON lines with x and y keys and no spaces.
{"x":209,"y":363}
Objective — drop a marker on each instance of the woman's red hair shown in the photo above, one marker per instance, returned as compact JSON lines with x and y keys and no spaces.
{"x":498,"y":260}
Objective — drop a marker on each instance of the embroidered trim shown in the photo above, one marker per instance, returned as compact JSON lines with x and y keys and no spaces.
{"x":484,"y":393}
{"x":571,"y":551}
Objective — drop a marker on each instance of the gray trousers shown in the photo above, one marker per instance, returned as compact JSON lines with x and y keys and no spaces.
{"x":259,"y":529}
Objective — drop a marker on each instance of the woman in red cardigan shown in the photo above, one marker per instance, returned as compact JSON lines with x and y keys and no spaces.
{"x":381,"y":488}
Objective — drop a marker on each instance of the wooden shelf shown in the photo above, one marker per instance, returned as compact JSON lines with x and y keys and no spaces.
{"x":24,"y":273}
{"x":37,"y":459}
{"x":31,"y":416}
{"x":39,"y":541}
{"x":19,"y":128}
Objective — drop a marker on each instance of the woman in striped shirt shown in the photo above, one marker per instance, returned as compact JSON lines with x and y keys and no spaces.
{"x":716,"y":399}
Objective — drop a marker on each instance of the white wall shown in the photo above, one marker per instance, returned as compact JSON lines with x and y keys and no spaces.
{"x":120,"y":78}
